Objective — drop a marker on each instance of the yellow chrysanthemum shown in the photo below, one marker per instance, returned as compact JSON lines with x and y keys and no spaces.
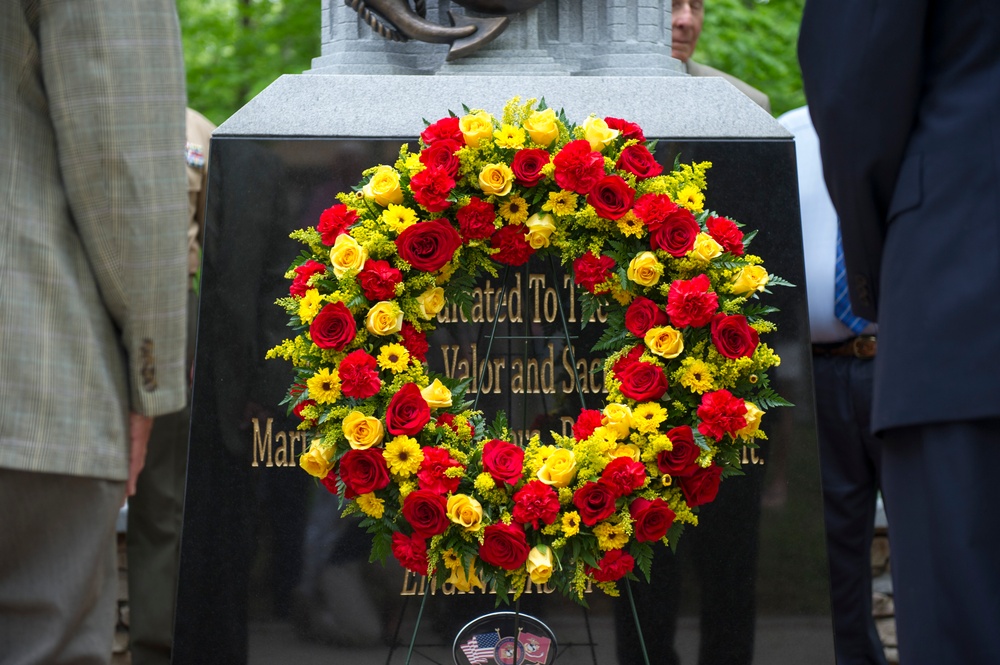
{"x":393,"y":357}
{"x":324,"y":386}
{"x":696,"y":375}
{"x":561,"y":203}
{"x":371,"y":505}
{"x":403,"y":455}
{"x":631,"y":226}
{"x":509,"y":136}
{"x":451,"y":559}
{"x":514,"y":210}
{"x":310,"y":305}
{"x":690,"y":197}
{"x":610,"y":536}
{"x":648,"y":417}
{"x":398,"y":217}
{"x":571,"y":523}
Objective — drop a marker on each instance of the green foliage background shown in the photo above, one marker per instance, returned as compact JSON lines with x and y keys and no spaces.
{"x":236,"y":48}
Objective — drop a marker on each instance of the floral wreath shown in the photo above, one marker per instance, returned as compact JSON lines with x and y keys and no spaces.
{"x":441,"y":489}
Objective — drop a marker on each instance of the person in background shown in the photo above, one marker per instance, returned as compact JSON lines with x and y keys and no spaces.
{"x":905,"y":98}
{"x":687,"y":18}
{"x":156,"y":510}
{"x":92,"y":309}
{"x":844,"y":350}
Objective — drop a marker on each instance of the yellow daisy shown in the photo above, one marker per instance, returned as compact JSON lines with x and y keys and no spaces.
{"x":696,"y":375}
{"x":561,"y":203}
{"x":690,"y":197}
{"x":371,"y":505}
{"x":648,"y":417}
{"x":509,"y":136}
{"x":398,"y":217}
{"x":394,"y":357}
{"x":514,"y":210}
{"x":310,"y":305}
{"x":631,"y":226}
{"x":451,"y":559}
{"x":571,"y":523}
{"x":610,"y":536}
{"x":324,"y":386}
{"x":403,"y":455}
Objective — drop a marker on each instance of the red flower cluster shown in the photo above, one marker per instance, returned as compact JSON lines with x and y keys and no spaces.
{"x":589,"y":270}
{"x":358,"y":375}
{"x":721,"y":414}
{"x":726,"y":233}
{"x":431,"y":188}
{"x":514,"y":249}
{"x":577,"y":167}
{"x":378,"y":280}
{"x":691,"y":302}
{"x":334,"y":221}
{"x":302,"y":274}
{"x":476,"y":219}
{"x":535,"y":502}
{"x":432,"y":475}
{"x":585,"y":425}
{"x":613,"y":566}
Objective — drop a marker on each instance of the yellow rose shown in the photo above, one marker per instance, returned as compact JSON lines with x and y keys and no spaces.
{"x":539,"y":564}
{"x":347,"y":256}
{"x":618,"y":419}
{"x":431,"y":302}
{"x":750,"y":279}
{"x":436,"y":395}
{"x":384,"y":187}
{"x":384,"y":318}
{"x":476,"y":128}
{"x":664,"y":341}
{"x":629,"y":450}
{"x":542,"y":127}
{"x":645,"y":269}
{"x":465,"y":511}
{"x":318,"y":460}
{"x":752,"y":416}
{"x":597,"y":133}
{"x":558,"y":469}
{"x":540,"y":227}
{"x":362,"y":431}
{"x":705,"y":248}
{"x":496,"y":179}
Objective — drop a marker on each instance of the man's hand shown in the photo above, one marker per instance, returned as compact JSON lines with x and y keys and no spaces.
{"x":139,"y":428}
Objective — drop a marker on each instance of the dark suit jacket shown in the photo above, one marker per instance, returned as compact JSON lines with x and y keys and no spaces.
{"x":905,"y":96}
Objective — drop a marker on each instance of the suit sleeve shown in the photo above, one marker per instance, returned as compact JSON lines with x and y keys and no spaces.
{"x":862,"y":67}
{"x":113,"y":71}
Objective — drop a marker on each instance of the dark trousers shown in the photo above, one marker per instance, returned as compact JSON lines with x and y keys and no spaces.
{"x":942,"y":491}
{"x":850,"y":460}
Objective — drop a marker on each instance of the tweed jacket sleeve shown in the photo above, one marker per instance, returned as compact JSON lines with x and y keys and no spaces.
{"x":93,"y":214}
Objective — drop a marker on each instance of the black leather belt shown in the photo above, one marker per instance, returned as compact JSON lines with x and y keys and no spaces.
{"x":862,"y":346}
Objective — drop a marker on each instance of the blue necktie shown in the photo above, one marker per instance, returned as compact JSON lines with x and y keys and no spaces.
{"x":842,"y":298}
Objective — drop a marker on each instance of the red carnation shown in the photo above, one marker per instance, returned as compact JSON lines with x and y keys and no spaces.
{"x":411,"y":552}
{"x":690,"y":303}
{"x":527,"y":166}
{"x":334,"y":327}
{"x":726,"y":233}
{"x":611,"y":197}
{"x":642,"y":315}
{"x":476,"y":219}
{"x":443,"y":130}
{"x":639,"y":161}
{"x":625,"y":475}
{"x":703,"y":486}
{"x":628,"y":130}
{"x":503,"y":460}
{"x":514,"y":249}
{"x":426,"y":512}
{"x":363,"y":471}
{"x":733,"y":336}
{"x":504,"y":546}
{"x":721,"y":414}
{"x":378,"y":280}
{"x":427,"y":246}
{"x":613,"y":566}
{"x":643,"y":382}
{"x":432,"y":475}
{"x":302,"y":274}
{"x":334,"y":221}
{"x":414,"y":341}
{"x":441,"y":155}
{"x":577,"y":167}
{"x":654,"y":209}
{"x":358,"y":376}
{"x":589,"y":270}
{"x":595,"y":502}
{"x":589,"y":420}
{"x":407,"y":412}
{"x":681,"y":460}
{"x":536,"y":502}
{"x":652,"y":518}
{"x":431,"y":188}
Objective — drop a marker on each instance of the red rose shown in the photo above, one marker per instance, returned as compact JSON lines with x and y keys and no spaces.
{"x":733,"y":337}
{"x":358,"y":376}
{"x":330,"y":483}
{"x":302,"y":274}
{"x":378,"y":280}
{"x":611,"y":197}
{"x":726,"y":233}
{"x":595,"y":501}
{"x":703,"y":486}
{"x":414,"y":341}
{"x":654,"y":208}
{"x":442,"y":155}
{"x":432,"y":475}
{"x":676,"y":234}
{"x":426,"y":512}
{"x":363,"y":471}
{"x":527,"y":166}
{"x":407,"y":412}
{"x":514,"y":249}
{"x":681,"y":459}
{"x":504,"y":461}
{"x":613,"y":566}
{"x":334,"y":327}
{"x":585,"y":425}
{"x":577,"y":167}
{"x":536,"y":502}
{"x":411,"y":552}
{"x":476,"y":219}
{"x":690,"y":303}
{"x":427,"y":246}
{"x":590,"y":270}
{"x":504,"y":546}
{"x":642,"y":315}
{"x":629,"y":359}
{"x":624,"y":475}
{"x":721,"y":414}
{"x":334,"y":221}
{"x":652,"y":518}
{"x":643,"y":382}
{"x":431,"y":188}
{"x":628,"y":130}
{"x":639,"y":161}
{"x":442,"y":130}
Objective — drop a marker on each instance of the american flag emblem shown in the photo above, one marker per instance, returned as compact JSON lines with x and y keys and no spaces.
{"x":195,"y":155}
{"x":479,"y":648}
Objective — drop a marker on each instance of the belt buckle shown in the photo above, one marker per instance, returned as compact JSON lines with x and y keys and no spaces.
{"x":864,"y":346}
